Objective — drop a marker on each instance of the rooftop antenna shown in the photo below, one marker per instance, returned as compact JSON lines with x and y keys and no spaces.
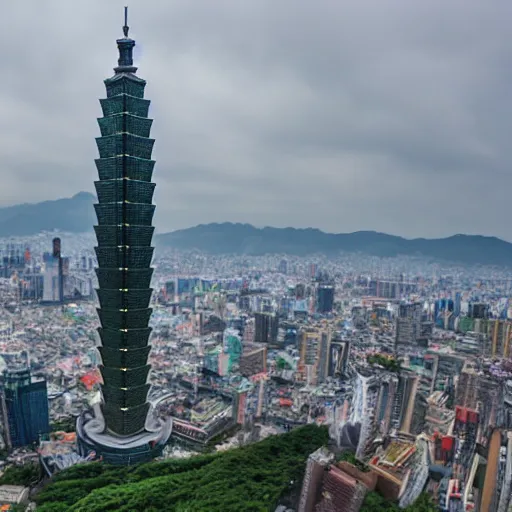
{"x":126,"y":27}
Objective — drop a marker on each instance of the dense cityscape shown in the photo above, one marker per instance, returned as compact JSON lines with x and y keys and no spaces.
{"x":404,"y":360}
{"x":141,"y":377}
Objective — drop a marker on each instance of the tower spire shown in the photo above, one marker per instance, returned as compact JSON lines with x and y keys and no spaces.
{"x":125,"y":46}
{"x":126,"y":27}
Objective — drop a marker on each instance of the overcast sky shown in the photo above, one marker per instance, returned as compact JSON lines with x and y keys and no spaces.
{"x":388,"y":115}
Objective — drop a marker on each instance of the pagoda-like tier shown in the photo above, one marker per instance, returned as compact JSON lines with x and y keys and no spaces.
{"x":123,"y":428}
{"x":124,"y":232}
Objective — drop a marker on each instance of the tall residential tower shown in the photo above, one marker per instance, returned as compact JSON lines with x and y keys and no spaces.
{"x":123,"y":428}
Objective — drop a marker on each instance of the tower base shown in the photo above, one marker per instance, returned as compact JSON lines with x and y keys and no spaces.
{"x":96,"y":443}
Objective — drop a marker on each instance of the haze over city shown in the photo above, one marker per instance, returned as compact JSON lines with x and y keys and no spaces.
{"x":390,"y":116}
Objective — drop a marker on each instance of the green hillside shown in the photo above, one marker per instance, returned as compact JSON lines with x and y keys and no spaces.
{"x":249,"y":479}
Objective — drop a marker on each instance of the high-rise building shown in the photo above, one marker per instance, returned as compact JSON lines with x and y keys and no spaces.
{"x":332,"y":487}
{"x":390,"y":289}
{"x":410,"y":328}
{"x":300,"y":291}
{"x":338,"y":357}
{"x":253,"y":360}
{"x":53,"y":278}
{"x":499,"y":333}
{"x":323,"y":356}
{"x":325,"y":299}
{"x":266,"y":327}
{"x":308,"y":353}
{"x":23,"y":408}
{"x":407,"y":414}
{"x":457,"y":304}
{"x":122,"y":429}
{"x":170,"y":289}
{"x":315,"y":355}
{"x":344,"y":488}
{"x":478,"y":310}
{"x":318,"y":462}
{"x":364,"y":410}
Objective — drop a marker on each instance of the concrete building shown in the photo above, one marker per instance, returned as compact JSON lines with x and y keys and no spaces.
{"x":23,"y":408}
{"x":324,"y":298}
{"x":410,"y":330}
{"x":344,"y":488}
{"x":339,"y":352}
{"x":253,"y":359}
{"x":313,"y":478}
{"x":13,"y":495}
{"x":266,"y":327}
{"x":53,"y":278}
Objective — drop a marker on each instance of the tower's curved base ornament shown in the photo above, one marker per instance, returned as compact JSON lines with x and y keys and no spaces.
{"x":95,"y":442}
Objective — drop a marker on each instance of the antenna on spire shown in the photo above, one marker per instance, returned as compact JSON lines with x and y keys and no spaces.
{"x":126,"y":27}
{"x":125,"y":46}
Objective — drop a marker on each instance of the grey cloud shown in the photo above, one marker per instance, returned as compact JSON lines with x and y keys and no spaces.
{"x":388,"y":115}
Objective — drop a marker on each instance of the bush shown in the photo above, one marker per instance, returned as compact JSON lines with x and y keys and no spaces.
{"x":389,"y":363}
{"x":375,"y":502}
{"x":26,"y":475}
{"x":348,"y":456}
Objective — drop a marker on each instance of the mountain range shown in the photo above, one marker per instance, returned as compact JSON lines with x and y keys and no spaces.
{"x":73,"y":215}
{"x":246,"y":239}
{"x":76,"y":215}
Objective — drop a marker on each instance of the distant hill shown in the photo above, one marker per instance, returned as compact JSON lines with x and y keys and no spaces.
{"x":75,"y":215}
{"x":246,"y":239}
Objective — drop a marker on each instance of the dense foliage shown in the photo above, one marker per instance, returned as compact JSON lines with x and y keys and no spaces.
{"x":26,"y":475}
{"x":349,"y":456}
{"x":374,"y":502}
{"x":249,"y":479}
{"x":389,"y":363}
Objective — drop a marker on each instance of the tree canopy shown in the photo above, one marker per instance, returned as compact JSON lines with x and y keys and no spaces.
{"x":374,"y":502}
{"x":253,"y":479}
{"x":26,"y":475}
{"x":389,"y":363}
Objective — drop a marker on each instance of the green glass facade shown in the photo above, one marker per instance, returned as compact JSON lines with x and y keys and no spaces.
{"x":124,"y":233}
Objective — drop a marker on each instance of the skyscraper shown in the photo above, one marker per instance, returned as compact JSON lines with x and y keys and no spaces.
{"x":408,"y":331}
{"x":325,"y":298}
{"x":23,"y":408}
{"x":338,"y":357}
{"x":122,"y":430}
{"x":53,"y":280}
{"x":324,"y":351}
{"x":266,"y":327}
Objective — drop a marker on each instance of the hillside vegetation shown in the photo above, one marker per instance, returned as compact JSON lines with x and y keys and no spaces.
{"x":248,"y":479}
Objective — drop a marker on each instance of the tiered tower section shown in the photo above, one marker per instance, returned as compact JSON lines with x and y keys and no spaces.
{"x":124,"y":428}
{"x":124,"y":232}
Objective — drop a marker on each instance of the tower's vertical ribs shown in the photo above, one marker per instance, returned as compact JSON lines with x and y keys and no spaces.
{"x":124,"y":251}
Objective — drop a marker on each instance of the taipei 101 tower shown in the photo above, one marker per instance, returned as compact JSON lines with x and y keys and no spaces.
{"x":123,"y":428}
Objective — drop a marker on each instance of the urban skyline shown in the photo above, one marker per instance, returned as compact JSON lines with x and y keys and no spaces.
{"x":372,"y":374}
